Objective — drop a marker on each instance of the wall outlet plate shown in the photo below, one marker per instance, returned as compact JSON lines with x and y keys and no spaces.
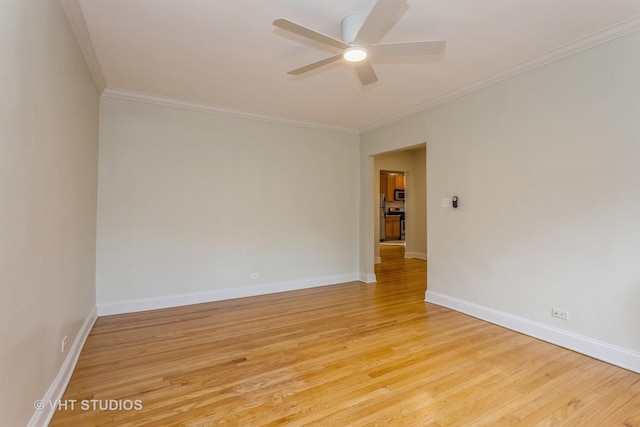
{"x":560,"y":314}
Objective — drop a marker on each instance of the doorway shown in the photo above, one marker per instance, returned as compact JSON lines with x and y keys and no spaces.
{"x":392,"y":207}
{"x":406,"y":169}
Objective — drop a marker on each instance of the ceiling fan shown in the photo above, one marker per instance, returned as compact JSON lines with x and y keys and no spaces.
{"x":358,"y":35}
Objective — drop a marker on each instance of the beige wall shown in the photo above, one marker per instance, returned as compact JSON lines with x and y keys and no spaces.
{"x":546,"y":168}
{"x":191,"y":202}
{"x":418,"y":227}
{"x":48,"y":173}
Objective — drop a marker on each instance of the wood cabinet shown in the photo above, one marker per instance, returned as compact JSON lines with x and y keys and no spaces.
{"x":391,"y":186}
{"x":392,"y":227}
{"x":384,"y":178}
{"x":389,"y":182}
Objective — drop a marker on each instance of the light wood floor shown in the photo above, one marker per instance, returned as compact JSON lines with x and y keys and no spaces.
{"x":344,"y":355}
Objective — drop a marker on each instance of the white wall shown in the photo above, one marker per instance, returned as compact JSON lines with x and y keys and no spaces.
{"x":48,"y":184}
{"x":194,"y":203}
{"x":546,"y":166}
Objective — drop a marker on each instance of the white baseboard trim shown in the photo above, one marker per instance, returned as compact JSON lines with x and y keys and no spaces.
{"x":368,"y":278}
{"x":377,"y":260}
{"x":418,"y":255}
{"x":168,"y":301}
{"x":59,"y":385}
{"x":619,"y":356}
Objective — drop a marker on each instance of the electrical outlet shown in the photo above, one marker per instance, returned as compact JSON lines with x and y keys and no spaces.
{"x":63,"y":346}
{"x":560,"y":314}
{"x":255,"y":275}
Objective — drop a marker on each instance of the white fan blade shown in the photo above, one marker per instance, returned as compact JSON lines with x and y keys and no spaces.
{"x":378,"y":21}
{"x":303,"y":31}
{"x":365,"y":72}
{"x":407,"y":48}
{"x":315,"y":65}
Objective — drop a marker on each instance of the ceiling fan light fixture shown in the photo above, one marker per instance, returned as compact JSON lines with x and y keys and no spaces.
{"x":355,"y":54}
{"x":358,"y":31}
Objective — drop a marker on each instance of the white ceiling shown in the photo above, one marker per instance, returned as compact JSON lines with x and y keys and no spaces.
{"x":226,"y":56}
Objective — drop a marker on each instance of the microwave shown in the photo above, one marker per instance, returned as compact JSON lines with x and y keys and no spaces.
{"x":398,"y":195}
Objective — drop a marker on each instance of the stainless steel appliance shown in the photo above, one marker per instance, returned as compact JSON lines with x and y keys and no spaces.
{"x":398,"y":195}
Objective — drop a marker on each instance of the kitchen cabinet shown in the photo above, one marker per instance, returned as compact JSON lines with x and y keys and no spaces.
{"x":383,"y":184}
{"x":391,"y":185}
{"x":389,"y":182}
{"x":392,"y":227}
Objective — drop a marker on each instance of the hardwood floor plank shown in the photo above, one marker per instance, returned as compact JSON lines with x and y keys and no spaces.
{"x":616,"y":391}
{"x":627,"y":415}
{"x":351,"y":354}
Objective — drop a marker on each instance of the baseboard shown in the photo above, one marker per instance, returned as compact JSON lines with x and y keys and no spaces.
{"x":619,"y":356}
{"x":377,"y":260}
{"x":368,"y":278}
{"x":168,"y":301}
{"x":418,"y":255}
{"x":59,"y":384}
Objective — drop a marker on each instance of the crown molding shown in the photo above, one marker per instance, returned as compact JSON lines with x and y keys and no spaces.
{"x":223,"y":111}
{"x":592,"y":40}
{"x":76,"y":19}
{"x":79,"y":27}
